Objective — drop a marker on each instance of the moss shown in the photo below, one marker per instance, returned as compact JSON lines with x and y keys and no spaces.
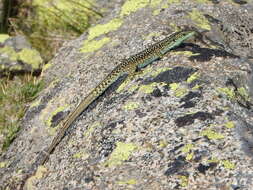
{"x":199,"y":19}
{"x":212,"y":135}
{"x":128,"y":182}
{"x":131,"y":6}
{"x":100,"y":29}
{"x":131,"y":106}
{"x":121,"y":153}
{"x":193,"y":77}
{"x":91,"y":46}
{"x":10,"y":52}
{"x":31,"y":57}
{"x":228,"y":165}
{"x":3,"y":37}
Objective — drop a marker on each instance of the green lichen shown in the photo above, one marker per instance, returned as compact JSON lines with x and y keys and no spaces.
{"x":131,"y":6}
{"x":228,"y":165}
{"x":131,"y":106}
{"x":3,"y":37}
{"x":59,"y":109}
{"x":91,"y":129}
{"x":100,"y":29}
{"x":31,"y":57}
{"x":229,"y":92}
{"x":230,"y":124}
{"x":199,"y":19}
{"x":193,"y":77}
{"x":128,"y":182}
{"x":156,"y":12}
{"x":91,"y":46}
{"x":155,"y":3}
{"x":121,"y":153}
{"x":149,"y":88}
{"x":212,"y":135}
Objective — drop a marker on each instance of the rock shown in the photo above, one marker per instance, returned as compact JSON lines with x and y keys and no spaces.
{"x":180,"y":124}
{"x":17,"y":57}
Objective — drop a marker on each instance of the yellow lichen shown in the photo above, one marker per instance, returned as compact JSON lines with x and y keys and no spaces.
{"x":209,"y":133}
{"x":186,"y":148}
{"x":31,"y":57}
{"x":41,"y":171}
{"x":128,"y":182}
{"x":91,"y":128}
{"x":149,"y":88}
{"x":230,"y":124}
{"x":173,"y":1}
{"x":91,"y":46}
{"x":81,"y":155}
{"x":199,"y":19}
{"x":242,"y":91}
{"x":131,"y":6}
{"x":35,"y":103}
{"x":183,"y":181}
{"x":193,"y":77}
{"x":186,"y":53}
{"x":100,"y":29}
{"x":163,"y":143}
{"x":59,"y":109}
{"x":160,"y":70}
{"x":3,"y":37}
{"x":228,"y":165}
{"x":3,"y":164}
{"x":228,"y":91}
{"x":121,"y":153}
{"x":155,"y":3}
{"x":178,"y":91}
{"x":131,"y":105}
{"x":189,"y":156}
{"x":47,"y":66}
{"x":202,"y":1}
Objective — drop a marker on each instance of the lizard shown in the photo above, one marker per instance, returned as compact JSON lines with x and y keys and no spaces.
{"x":129,"y":66}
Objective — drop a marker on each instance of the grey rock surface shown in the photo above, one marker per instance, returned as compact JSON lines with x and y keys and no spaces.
{"x":184,"y":123}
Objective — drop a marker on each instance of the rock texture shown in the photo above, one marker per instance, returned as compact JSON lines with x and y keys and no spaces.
{"x":184,"y":123}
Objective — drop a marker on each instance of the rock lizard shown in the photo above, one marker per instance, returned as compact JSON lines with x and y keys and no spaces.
{"x":128,"y":66}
